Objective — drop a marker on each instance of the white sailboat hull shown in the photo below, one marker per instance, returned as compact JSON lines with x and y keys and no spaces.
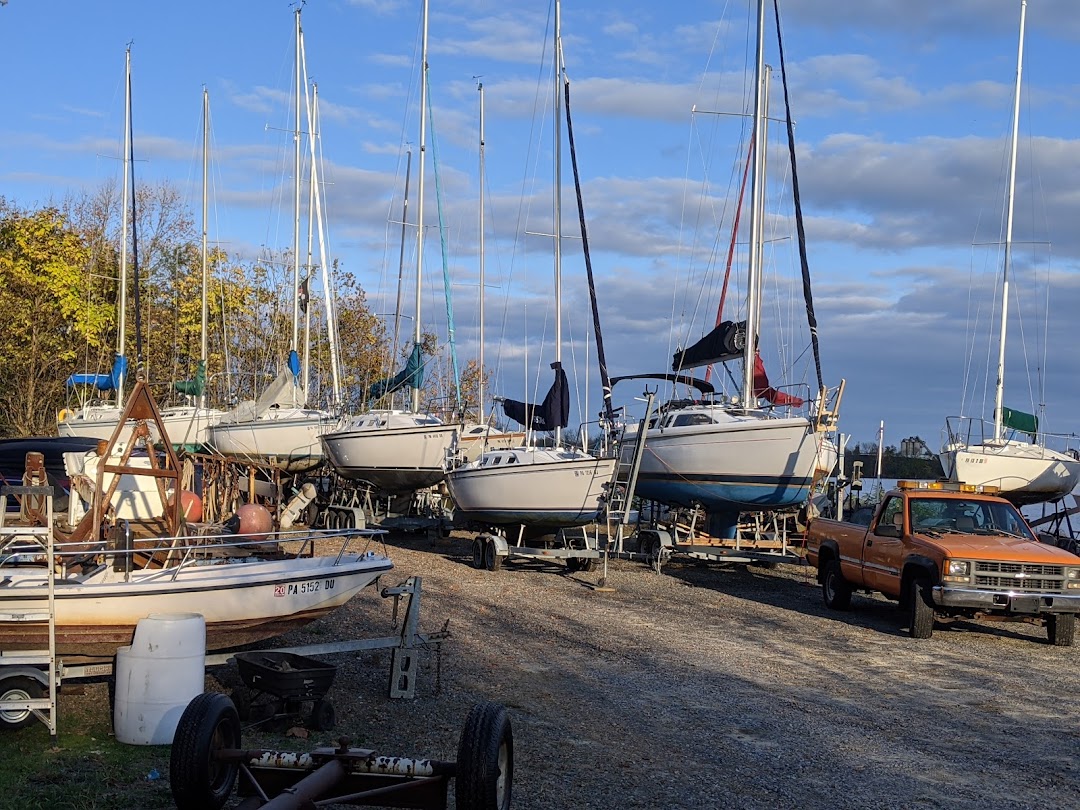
{"x":541,"y":488}
{"x":243,"y":602}
{"x":287,"y":440}
{"x":744,"y":463}
{"x":185,"y":425}
{"x":391,"y":451}
{"x":1025,"y":473}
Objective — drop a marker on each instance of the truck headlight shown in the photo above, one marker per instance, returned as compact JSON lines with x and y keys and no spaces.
{"x":1072,"y":573}
{"x":959,"y":568}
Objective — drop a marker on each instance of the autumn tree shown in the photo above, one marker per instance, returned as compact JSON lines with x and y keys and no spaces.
{"x":47,"y":305}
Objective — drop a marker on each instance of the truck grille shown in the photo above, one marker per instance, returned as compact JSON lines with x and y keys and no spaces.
{"x":1009,"y":576}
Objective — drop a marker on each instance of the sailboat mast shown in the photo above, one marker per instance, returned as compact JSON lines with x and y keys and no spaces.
{"x":324,"y":258}
{"x":203,"y":348}
{"x":121,"y":338}
{"x":296,"y":192}
{"x":999,"y":391}
{"x":757,"y":196}
{"x":480,"y":380}
{"x":420,"y":193}
{"x":557,"y":217}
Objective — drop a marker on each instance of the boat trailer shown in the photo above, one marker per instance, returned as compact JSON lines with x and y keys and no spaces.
{"x":207,"y":761}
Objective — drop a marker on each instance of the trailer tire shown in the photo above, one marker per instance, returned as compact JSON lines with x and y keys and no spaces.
{"x":586,"y":564}
{"x":485,"y":759}
{"x":1061,"y":629}
{"x":208,"y":724}
{"x":573,"y":564}
{"x":477,"y":553}
{"x":920,"y":608}
{"x":323,"y":717}
{"x":834,"y":588}
{"x":492,"y":561}
{"x":19,"y":687}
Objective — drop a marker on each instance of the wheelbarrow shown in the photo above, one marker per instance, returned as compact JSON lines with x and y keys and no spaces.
{"x":278,"y":684}
{"x":207,"y":760}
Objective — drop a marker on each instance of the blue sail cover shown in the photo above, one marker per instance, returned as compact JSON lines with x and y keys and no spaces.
{"x":102,"y":382}
{"x":412,"y":375}
{"x":553,"y":412}
{"x":294,"y":363}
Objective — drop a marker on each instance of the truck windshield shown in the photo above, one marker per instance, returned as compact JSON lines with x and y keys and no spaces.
{"x":971,"y":517}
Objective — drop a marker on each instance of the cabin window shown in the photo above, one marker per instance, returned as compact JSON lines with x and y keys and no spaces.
{"x":685,"y":419}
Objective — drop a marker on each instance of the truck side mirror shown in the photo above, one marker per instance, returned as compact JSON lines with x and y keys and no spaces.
{"x":887,"y":530}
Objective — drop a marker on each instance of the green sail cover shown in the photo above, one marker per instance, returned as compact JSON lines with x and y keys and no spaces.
{"x":412,"y":375}
{"x":194,"y":388}
{"x":1018,"y":420}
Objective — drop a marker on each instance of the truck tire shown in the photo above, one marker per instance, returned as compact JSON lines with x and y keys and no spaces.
{"x":836,"y":590}
{"x":1061,"y":629}
{"x":920,"y":608}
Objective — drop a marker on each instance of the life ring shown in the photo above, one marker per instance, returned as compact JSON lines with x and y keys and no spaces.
{"x":65,"y":414}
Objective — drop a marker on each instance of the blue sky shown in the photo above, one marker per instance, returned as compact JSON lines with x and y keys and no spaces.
{"x":902,"y":113}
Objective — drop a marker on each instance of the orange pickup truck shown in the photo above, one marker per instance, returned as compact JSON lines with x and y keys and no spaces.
{"x":949,"y":551}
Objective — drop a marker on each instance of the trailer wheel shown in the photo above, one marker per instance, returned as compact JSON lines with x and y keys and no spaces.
{"x":921,"y":609}
{"x":323,"y":717}
{"x":1061,"y":629}
{"x":18,"y":687}
{"x":209,"y":724}
{"x":477,"y":553}
{"x":485,"y":760}
{"x":834,"y":588}
{"x":492,"y":561}
{"x":583,"y":564}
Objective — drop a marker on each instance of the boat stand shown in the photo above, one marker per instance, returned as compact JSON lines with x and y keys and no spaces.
{"x":207,"y":761}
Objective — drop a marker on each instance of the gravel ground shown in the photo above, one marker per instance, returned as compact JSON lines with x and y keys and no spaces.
{"x":712,"y":686}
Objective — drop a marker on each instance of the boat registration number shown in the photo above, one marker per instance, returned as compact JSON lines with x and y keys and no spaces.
{"x":297,"y":588}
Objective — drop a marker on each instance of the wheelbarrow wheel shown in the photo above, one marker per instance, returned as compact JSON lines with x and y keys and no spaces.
{"x":485,"y":760}
{"x":323,"y":717}
{"x":243,"y":697}
{"x":209,"y":724}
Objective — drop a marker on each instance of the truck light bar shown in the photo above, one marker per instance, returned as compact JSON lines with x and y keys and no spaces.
{"x":948,"y":486}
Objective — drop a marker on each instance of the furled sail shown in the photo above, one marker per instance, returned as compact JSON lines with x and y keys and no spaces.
{"x":412,"y":375}
{"x":725,"y":342}
{"x":553,"y":412}
{"x":762,"y":388}
{"x":196,"y":386}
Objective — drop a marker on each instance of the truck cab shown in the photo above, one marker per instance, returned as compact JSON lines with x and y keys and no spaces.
{"x":946,"y":552}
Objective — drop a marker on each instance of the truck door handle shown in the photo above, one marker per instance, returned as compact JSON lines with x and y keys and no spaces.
{"x":870,"y":541}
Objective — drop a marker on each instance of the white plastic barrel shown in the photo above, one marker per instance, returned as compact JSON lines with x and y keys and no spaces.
{"x":157,"y":676}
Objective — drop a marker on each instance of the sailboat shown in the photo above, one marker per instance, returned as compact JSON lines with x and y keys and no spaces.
{"x":475,"y":437}
{"x":188,"y":425}
{"x":1024,"y":469}
{"x":278,"y":429}
{"x":98,"y":419}
{"x":731,"y":455}
{"x":397,"y":450}
{"x":531,"y":486}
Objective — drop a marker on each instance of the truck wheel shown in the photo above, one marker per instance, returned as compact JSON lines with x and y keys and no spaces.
{"x":921,"y":609}
{"x":1061,"y":629}
{"x":836,"y":589}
